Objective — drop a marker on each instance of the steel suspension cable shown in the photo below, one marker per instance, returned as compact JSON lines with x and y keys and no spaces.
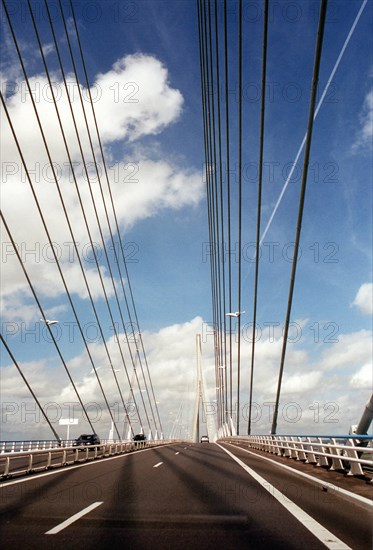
{"x":319,"y":105}
{"x":60,"y":195}
{"x":259,"y":207}
{"x":208,"y":161}
{"x":98,"y":224}
{"x":307,"y":150}
{"x":207,"y":93}
{"x":210,"y":68}
{"x":223,"y":362}
{"x":215,"y":208}
{"x":40,"y":306}
{"x":239,"y":210}
{"x":217,"y":205}
{"x":29,"y":388}
{"x":117,"y":225}
{"x":208,"y":156}
{"x":226,"y":75}
{"x":86,"y":223}
{"x":209,"y":177}
{"x":82,"y":208}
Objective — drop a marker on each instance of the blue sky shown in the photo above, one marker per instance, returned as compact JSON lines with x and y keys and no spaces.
{"x":153,"y":45}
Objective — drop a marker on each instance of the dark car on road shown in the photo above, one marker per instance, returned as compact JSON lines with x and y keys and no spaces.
{"x":139,"y":437}
{"x":87,"y":439}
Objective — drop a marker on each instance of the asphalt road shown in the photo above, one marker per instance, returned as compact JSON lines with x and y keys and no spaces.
{"x":189,"y":496}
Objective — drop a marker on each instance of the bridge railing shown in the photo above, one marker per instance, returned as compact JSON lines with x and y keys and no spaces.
{"x":20,"y":446}
{"x":15,"y":463}
{"x":351,"y":453}
{"x":43,"y":444}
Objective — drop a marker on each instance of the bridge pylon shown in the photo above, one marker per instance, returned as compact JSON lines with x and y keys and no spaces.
{"x":200,"y":400}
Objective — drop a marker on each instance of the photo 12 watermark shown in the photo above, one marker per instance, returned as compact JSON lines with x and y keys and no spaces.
{"x":68,"y":331}
{"x":272,"y":331}
{"x":271,"y":252}
{"x":70,"y":172}
{"x":68,"y":252}
{"x":90,"y":11}
{"x":290,"y":412}
{"x":273,"y":172}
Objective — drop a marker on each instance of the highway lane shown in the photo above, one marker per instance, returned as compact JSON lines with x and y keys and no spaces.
{"x":190,"y":495}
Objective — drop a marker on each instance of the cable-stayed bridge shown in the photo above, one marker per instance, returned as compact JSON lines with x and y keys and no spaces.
{"x":201,"y":477}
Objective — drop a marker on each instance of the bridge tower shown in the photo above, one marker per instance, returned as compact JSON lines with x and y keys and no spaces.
{"x":200,"y":400}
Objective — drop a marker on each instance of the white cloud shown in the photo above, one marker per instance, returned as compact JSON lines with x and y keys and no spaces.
{"x":364,"y":299}
{"x":159,"y":185}
{"x":48,"y":48}
{"x":137,"y":95}
{"x":351,"y":350}
{"x":363,"y":378}
{"x":365,"y":136}
{"x":156,"y":185}
{"x":301,"y":382}
{"x":313,"y":399}
{"x":132,"y":100}
{"x":140,"y":188}
{"x":172,"y":362}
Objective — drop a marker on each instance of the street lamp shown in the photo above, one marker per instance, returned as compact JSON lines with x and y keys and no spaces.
{"x":235,"y":314}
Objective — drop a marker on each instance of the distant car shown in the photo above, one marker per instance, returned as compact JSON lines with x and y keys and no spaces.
{"x":139,"y":437}
{"x":87,"y":439}
{"x":205,"y":439}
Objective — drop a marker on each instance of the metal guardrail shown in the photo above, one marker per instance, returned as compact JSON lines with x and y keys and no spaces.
{"x":35,"y":460}
{"x":19,"y":446}
{"x":34,"y":445}
{"x":350,"y":453}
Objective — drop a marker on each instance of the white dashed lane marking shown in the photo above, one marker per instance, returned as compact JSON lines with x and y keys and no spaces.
{"x":72,"y":519}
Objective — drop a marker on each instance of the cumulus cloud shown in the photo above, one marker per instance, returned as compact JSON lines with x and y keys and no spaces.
{"x":132,"y":100}
{"x":301,"y":382}
{"x":154,"y":186}
{"x":137,"y":95}
{"x":364,"y":299}
{"x":171,"y":355}
{"x":313,"y":399}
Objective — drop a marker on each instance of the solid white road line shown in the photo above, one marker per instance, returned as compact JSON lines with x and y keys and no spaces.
{"x":330,"y":486}
{"x":73,"y":518}
{"x":326,"y":537}
{"x":156,"y":465}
